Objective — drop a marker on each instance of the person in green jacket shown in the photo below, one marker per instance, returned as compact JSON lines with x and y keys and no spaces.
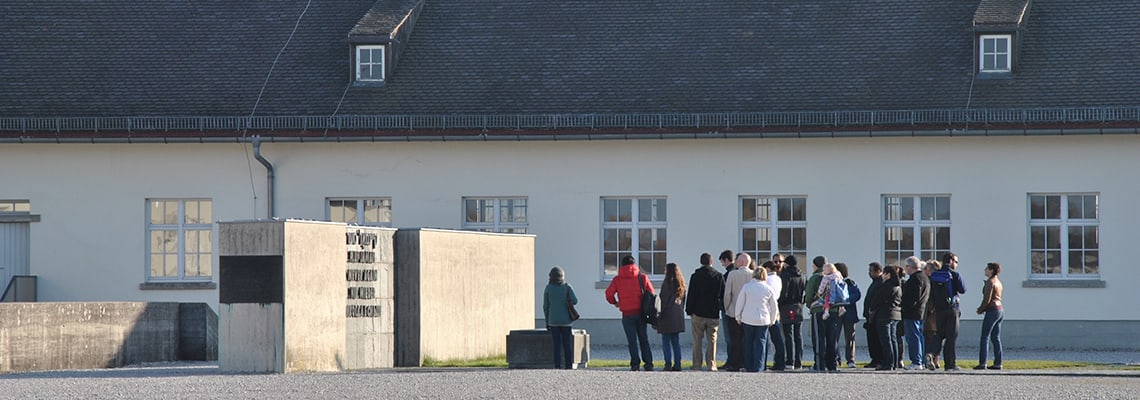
{"x":810,"y":297}
{"x":556,"y":301}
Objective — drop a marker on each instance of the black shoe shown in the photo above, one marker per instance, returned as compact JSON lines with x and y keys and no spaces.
{"x":980,"y":367}
{"x":875,"y":366}
{"x":634,"y":369}
{"x":648,"y":368}
{"x":953,"y":368}
{"x":995,"y":367}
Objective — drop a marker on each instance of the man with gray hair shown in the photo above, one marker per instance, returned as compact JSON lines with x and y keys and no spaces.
{"x":915,"y":294}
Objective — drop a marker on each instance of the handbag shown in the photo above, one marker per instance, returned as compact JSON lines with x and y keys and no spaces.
{"x":570,"y":308}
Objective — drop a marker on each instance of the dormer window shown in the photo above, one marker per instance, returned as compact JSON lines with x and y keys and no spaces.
{"x":370,"y":63}
{"x":995,"y":53}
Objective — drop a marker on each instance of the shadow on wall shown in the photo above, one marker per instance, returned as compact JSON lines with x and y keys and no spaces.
{"x":51,"y":336}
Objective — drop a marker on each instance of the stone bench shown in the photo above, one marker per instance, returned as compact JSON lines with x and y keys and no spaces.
{"x":532,"y":349}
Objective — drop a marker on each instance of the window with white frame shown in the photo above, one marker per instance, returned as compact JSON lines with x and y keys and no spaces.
{"x":915,"y":225}
{"x":995,"y":53}
{"x":370,"y":63}
{"x":367,"y":211}
{"x":1064,"y":235}
{"x":634,"y":226}
{"x":495,"y":214}
{"x":15,"y":206}
{"x":773,"y":225}
{"x":180,"y":236}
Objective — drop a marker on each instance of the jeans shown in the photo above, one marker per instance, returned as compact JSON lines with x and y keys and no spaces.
{"x":947,"y":322}
{"x":874,"y":346}
{"x":831,"y":328}
{"x":793,"y":344}
{"x":755,"y":347}
{"x":991,"y":329}
{"x":915,"y":343}
{"x":849,"y":339}
{"x":634,"y":335}
{"x":736,"y":346}
{"x":563,"y":346}
{"x":888,"y":342}
{"x":776,"y":335}
{"x":725,"y":324}
{"x":817,"y":336}
{"x":704,"y":328}
{"x":671,"y":344}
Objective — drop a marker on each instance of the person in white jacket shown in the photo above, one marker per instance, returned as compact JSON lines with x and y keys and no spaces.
{"x":756,"y":309}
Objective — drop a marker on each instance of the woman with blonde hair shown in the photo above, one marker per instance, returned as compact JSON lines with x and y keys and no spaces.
{"x":756,"y":310}
{"x":672,"y":320}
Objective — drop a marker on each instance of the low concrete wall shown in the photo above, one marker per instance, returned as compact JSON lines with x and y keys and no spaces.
{"x":459,"y":293}
{"x":49,"y":336}
{"x":534,"y":349}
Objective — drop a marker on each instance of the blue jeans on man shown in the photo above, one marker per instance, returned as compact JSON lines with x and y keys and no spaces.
{"x":830,"y":330}
{"x":755,"y":347}
{"x":915,"y":342}
{"x":636,"y":338}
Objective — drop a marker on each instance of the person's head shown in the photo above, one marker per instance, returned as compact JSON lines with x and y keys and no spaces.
{"x":557,"y":275}
{"x":792,"y":261}
{"x":950,"y":259}
{"x":827,"y":269}
{"x":891,"y":272}
{"x":769,"y":266}
{"x":992,"y":269}
{"x":818,"y":262}
{"x":935,"y":264}
{"x":777,"y":258}
{"x":706,"y":259}
{"x":743,"y":260}
{"x":912,"y":264}
{"x":760,"y":274}
{"x":842,"y":268}
{"x":726,"y":258}
{"x":628,"y":260}
{"x":874,"y":269}
{"x":930,"y":267}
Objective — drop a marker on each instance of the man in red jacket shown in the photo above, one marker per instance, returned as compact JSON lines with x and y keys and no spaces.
{"x":627,"y":285}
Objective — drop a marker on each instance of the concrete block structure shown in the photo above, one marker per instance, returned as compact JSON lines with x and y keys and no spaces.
{"x":281,"y":296}
{"x":533,"y":349}
{"x":371,"y":308}
{"x":48,"y":336}
{"x":459,"y":293}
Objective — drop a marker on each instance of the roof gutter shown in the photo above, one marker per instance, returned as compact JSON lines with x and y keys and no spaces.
{"x":256,"y":141}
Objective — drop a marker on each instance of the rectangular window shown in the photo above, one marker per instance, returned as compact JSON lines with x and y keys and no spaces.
{"x":634,"y":226}
{"x":1064,"y":235}
{"x":495,"y":214}
{"x":915,"y":225}
{"x":367,"y":211}
{"x":15,"y":206}
{"x":180,"y":239}
{"x":370,"y":63}
{"x":773,"y":225}
{"x":995,"y":53}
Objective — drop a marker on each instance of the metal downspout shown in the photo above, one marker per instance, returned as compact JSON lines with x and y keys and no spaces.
{"x":268,"y":174}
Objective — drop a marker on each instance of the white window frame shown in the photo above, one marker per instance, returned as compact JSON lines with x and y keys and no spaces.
{"x":360,"y":211}
{"x":1007,"y":55}
{"x":496,"y":222}
{"x":916,"y":225}
{"x":634,"y":225}
{"x":15,"y":207}
{"x":372,"y":63}
{"x":774,"y":224}
{"x":1063,"y":223}
{"x":181,"y":227}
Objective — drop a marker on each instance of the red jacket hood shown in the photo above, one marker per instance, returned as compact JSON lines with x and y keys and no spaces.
{"x":628,"y":271}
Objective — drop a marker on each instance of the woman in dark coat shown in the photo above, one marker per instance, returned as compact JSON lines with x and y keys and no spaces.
{"x":888,"y":313}
{"x":672,"y":320}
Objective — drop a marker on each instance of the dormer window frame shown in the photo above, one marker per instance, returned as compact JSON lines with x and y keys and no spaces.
{"x":376,"y":58}
{"x":993,"y":53}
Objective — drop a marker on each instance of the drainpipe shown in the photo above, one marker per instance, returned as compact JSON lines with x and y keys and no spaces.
{"x":268,"y":173}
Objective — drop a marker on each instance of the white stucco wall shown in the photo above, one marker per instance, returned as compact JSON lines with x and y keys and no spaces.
{"x":90,"y":242}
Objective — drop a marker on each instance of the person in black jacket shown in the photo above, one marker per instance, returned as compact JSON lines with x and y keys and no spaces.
{"x":875,"y":271}
{"x":703,"y":305}
{"x":791,"y":303}
{"x":888,"y":312}
{"x":915,"y":294}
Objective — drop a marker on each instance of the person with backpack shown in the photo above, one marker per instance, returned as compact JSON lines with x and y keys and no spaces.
{"x":791,"y":303}
{"x":834,"y":295}
{"x":628,"y":286}
{"x":672,"y":319}
{"x":556,"y":301}
{"x":755,"y":311}
{"x":945,"y":287}
{"x":888,"y":312}
{"x":915,"y":295}
{"x":850,"y":314}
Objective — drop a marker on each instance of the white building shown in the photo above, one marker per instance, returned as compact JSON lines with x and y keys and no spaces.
{"x":124,"y":134}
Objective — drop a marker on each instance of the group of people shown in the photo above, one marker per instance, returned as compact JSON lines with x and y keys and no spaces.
{"x":917,"y":303}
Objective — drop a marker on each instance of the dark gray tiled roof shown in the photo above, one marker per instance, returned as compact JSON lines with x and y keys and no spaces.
{"x":210,"y":58}
{"x":1000,"y":12}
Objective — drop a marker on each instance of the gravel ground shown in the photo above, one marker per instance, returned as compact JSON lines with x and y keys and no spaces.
{"x":203,"y":381}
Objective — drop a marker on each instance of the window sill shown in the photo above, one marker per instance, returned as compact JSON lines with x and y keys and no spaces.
{"x":178,"y":286}
{"x":18,"y":218}
{"x":1063,"y":283}
{"x":605,"y":283}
